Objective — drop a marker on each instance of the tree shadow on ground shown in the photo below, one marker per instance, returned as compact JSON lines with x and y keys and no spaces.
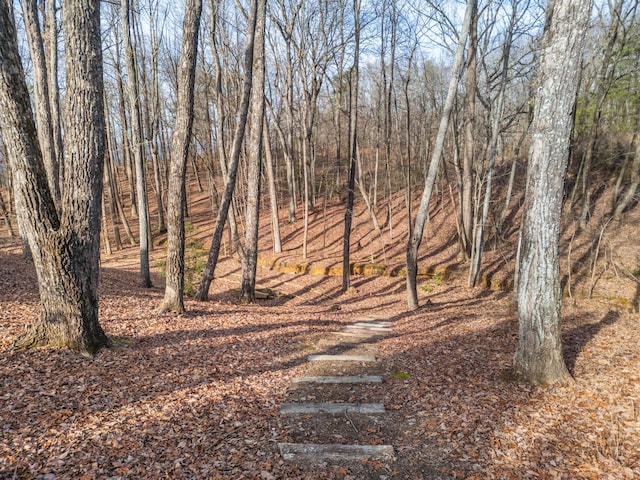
{"x":574,"y":342}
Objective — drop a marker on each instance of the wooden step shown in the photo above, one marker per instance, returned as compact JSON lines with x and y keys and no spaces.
{"x":358,"y":333}
{"x":310,"y":452}
{"x":302,"y":408}
{"x":351,"y":328}
{"x":340,"y":379}
{"x":341,"y":358}
{"x":370,"y":326}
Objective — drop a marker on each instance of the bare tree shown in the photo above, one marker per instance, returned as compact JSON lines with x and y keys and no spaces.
{"x":137,"y":135}
{"x":423,"y":210}
{"x":66,"y":247}
{"x":273,"y":194}
{"x":250,"y":259}
{"x":230,"y":179}
{"x":353,"y":148}
{"x":538,"y":358}
{"x":174,"y":288}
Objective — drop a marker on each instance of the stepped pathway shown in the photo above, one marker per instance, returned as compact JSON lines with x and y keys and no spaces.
{"x":332,"y":418}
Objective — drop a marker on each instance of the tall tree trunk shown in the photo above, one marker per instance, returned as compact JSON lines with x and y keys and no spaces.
{"x":466,"y":207}
{"x":273,"y":193}
{"x":230,"y":179}
{"x":41,"y":95}
{"x":250,"y":259}
{"x":124,"y":129}
{"x":137,"y":143}
{"x":538,"y":358}
{"x":174,"y":288}
{"x":423,"y":210}
{"x":353,"y":149}
{"x":54,"y":86}
{"x":222,"y":119}
{"x":108,"y":159}
{"x":66,"y":248}
{"x":150,"y":115}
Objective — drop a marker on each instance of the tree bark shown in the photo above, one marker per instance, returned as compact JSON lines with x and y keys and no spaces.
{"x":273,"y":193}
{"x":41,"y":95}
{"x":423,"y":210}
{"x":54,"y":86}
{"x":466,"y":207}
{"x":137,"y":144}
{"x":254,"y":168}
{"x":538,"y":358}
{"x":66,"y":248}
{"x":353,"y":150}
{"x":174,"y":287}
{"x":230,"y":179}
{"x":5,"y":217}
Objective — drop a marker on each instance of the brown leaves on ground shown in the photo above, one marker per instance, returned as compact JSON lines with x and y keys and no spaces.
{"x":197,"y":396}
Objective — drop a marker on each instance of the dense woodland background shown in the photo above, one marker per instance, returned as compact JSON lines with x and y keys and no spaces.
{"x":402,"y":74}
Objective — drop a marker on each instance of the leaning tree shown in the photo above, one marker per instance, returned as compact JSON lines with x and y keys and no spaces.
{"x":66,"y":243}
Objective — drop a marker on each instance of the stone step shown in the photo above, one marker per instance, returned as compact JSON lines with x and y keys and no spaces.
{"x":302,"y":408}
{"x":340,"y":379}
{"x":309,"y":452}
{"x":341,"y":358}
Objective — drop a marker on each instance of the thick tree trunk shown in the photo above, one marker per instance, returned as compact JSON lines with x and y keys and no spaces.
{"x":423,"y":210}
{"x":254,"y":168}
{"x":174,"y":288}
{"x":66,"y":248}
{"x":538,"y":358}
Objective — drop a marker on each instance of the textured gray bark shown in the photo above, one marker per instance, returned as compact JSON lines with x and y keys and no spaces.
{"x":538,"y":358}
{"x":423,"y":210}
{"x":254,"y":160}
{"x":66,"y":248}
{"x":174,"y":287}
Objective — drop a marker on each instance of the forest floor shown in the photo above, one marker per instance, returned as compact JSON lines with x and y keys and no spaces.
{"x":198,"y":395}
